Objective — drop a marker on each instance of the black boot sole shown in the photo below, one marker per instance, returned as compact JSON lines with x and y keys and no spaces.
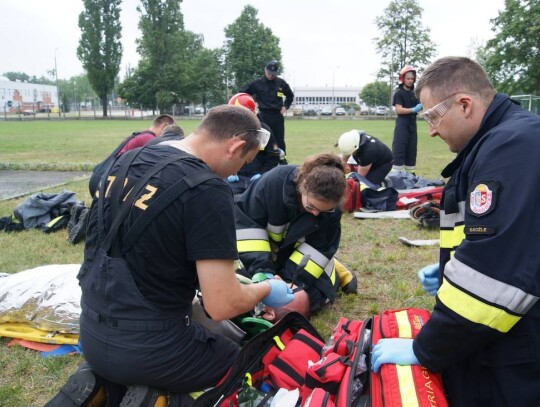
{"x":83,"y":389}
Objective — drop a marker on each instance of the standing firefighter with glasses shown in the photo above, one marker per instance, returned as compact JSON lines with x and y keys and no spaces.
{"x":404,"y":144}
{"x":137,"y":289}
{"x":288,"y":224}
{"x":484,"y":333}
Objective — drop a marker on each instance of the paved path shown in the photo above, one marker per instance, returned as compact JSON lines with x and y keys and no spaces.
{"x":17,"y":183}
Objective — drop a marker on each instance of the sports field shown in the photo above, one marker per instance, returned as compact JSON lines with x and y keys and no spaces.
{"x":386,"y":268}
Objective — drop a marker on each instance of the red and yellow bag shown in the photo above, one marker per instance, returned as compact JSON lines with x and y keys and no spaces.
{"x":397,"y":385}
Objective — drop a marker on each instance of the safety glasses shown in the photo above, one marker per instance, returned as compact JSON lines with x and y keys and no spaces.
{"x":310,"y":207}
{"x":263,"y":135}
{"x":435,"y":115}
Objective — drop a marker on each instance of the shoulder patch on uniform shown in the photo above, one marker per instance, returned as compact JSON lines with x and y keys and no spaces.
{"x":483,"y":197}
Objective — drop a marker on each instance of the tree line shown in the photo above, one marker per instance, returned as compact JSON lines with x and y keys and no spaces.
{"x":176,"y":69}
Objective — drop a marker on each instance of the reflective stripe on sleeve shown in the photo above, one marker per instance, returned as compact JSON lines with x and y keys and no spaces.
{"x":449,"y":220}
{"x":450,"y":239}
{"x":474,"y":310}
{"x":489,"y":289}
{"x":277,"y":232}
{"x":252,"y":240}
{"x":317,"y":264}
{"x":496,"y":304}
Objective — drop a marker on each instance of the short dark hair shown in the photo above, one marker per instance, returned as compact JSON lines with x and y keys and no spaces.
{"x":173,"y":128}
{"x":451,"y":75}
{"x":163,"y":119}
{"x":225,"y":121}
{"x":323,"y":175}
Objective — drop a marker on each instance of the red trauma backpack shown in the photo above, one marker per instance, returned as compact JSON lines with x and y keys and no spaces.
{"x":353,"y":198}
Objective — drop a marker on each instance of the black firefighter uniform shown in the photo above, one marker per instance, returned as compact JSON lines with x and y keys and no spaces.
{"x":275,"y":235}
{"x":484,"y":333}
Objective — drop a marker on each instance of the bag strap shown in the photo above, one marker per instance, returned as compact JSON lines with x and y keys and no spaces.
{"x":189,"y":181}
{"x":125,"y":207}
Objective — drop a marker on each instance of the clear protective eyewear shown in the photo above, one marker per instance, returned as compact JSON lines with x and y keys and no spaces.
{"x":435,"y":115}
{"x":310,"y":207}
{"x":263,"y":135}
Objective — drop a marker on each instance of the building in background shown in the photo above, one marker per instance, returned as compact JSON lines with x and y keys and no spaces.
{"x":326,"y":96}
{"x":23,"y":97}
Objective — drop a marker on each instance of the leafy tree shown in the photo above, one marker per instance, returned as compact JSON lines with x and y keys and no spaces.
{"x":138,"y":88}
{"x":513,"y":55}
{"x":23,"y":77}
{"x":375,"y":93}
{"x":249,"y":45}
{"x":100,"y":49}
{"x":13,"y":76}
{"x":64,"y":103}
{"x":161,"y":46}
{"x":208,"y":77}
{"x":403,"y":40}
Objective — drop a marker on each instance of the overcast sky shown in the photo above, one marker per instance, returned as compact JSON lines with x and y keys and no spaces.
{"x":323,"y":42}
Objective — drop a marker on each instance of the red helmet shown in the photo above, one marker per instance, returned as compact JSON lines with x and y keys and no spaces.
{"x":404,"y":70}
{"x":243,"y":99}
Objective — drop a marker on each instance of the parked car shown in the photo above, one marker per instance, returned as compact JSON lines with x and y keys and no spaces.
{"x":297,"y":111}
{"x":381,"y":110}
{"x":340,"y":111}
{"x":326,"y":111}
{"x":28,"y":112}
{"x":310,"y":111}
{"x":364,"y":110}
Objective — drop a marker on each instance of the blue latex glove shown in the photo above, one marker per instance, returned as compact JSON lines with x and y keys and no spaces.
{"x":417,"y":108}
{"x":429,"y":278}
{"x":255,"y":177}
{"x":233,"y":178}
{"x":280,"y":294}
{"x":396,"y":351}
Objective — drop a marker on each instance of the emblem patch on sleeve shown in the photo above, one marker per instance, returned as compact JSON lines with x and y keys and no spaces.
{"x":483,"y":198}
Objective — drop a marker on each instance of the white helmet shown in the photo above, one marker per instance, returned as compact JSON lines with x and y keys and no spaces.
{"x":349,"y":142}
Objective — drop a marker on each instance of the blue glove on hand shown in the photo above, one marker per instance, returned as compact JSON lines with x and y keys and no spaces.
{"x":233,"y":178}
{"x":255,"y":177}
{"x":429,"y":278}
{"x":280,"y":294}
{"x":396,"y":351}
{"x":417,"y":108}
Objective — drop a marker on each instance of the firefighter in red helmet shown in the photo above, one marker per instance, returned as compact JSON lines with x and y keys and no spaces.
{"x":404,"y":144}
{"x":264,"y":161}
{"x":243,"y":99}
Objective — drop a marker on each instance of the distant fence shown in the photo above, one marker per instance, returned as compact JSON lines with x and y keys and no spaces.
{"x":79,"y":112}
{"x":529,"y":102}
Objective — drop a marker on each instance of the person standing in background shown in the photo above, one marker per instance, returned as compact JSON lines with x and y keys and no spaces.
{"x":405,"y":141}
{"x":274,"y":97}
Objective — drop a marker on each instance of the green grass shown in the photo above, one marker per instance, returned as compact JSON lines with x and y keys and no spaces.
{"x":386,"y":269}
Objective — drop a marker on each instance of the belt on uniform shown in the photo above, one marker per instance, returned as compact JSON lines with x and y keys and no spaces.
{"x":133,"y":324}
